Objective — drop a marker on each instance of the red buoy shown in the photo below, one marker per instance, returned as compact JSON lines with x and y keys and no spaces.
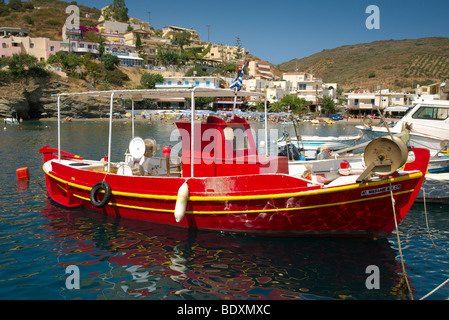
{"x":23,"y":174}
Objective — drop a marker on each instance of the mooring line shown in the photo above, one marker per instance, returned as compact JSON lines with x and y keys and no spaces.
{"x":404,"y":273}
{"x":425,"y":213}
{"x":434,"y":290}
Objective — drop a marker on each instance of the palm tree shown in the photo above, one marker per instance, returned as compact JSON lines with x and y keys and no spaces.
{"x":329,"y":104}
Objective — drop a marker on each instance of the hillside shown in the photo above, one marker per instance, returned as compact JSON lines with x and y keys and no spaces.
{"x":46,"y":18}
{"x":393,"y":63}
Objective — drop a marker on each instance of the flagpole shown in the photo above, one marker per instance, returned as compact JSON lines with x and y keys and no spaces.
{"x":235,"y":102}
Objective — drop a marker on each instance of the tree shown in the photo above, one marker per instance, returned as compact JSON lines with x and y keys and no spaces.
{"x":15,"y":5}
{"x":110,"y":61}
{"x":196,"y":71}
{"x":149,"y":80}
{"x":329,"y":104}
{"x":120,"y":11}
{"x":138,"y":43}
{"x":297,"y":105}
{"x":238,"y":53}
{"x":182,"y":39}
{"x":22,"y":65}
{"x":167,"y":57}
{"x":68,"y":61}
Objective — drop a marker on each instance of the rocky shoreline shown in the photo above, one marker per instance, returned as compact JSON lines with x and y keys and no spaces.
{"x":33,"y":99}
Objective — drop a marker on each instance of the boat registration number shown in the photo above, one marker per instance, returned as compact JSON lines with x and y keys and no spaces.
{"x":380,"y":190}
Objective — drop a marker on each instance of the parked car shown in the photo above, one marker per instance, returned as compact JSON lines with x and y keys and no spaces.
{"x":308,"y":116}
{"x":335,"y":117}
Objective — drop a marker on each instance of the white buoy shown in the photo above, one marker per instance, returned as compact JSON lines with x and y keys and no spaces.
{"x":181,"y":202}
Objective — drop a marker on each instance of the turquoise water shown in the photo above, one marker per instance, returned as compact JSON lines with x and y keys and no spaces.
{"x":125,"y":259}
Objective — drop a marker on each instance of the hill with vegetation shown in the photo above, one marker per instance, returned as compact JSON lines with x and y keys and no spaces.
{"x":43,"y":18}
{"x":394,"y":64}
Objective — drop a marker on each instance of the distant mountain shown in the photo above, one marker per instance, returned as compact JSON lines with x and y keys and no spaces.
{"x":393,"y":64}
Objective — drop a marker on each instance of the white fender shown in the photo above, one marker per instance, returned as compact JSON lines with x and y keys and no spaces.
{"x":181,"y":202}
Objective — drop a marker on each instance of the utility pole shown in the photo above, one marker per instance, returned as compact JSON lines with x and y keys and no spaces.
{"x":208,"y":33}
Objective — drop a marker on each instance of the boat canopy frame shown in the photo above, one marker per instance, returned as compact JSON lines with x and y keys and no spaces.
{"x":140,"y":94}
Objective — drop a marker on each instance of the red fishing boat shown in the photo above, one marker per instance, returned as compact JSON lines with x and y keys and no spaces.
{"x":221,"y":182}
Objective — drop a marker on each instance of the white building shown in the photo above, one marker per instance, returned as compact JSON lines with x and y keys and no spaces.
{"x":368,"y":102}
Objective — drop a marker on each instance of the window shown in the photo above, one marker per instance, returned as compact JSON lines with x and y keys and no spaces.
{"x":31,"y":45}
{"x":432,"y":113}
{"x":52,"y":48}
{"x":302,"y":87}
{"x":3,"y":45}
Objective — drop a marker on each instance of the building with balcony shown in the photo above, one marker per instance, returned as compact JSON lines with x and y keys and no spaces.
{"x":150,"y":43}
{"x":260,"y":70}
{"x":367,"y":102}
{"x":224,"y":53}
{"x":170,"y":31}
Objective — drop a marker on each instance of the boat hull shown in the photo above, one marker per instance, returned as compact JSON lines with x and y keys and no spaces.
{"x":271,"y":204}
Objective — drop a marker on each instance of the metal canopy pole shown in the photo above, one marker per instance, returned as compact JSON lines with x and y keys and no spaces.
{"x":110,"y":132}
{"x":132,"y":117}
{"x":59,"y":129}
{"x":192,"y":134}
{"x":266,"y":128}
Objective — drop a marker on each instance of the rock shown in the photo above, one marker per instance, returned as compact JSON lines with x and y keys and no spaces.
{"x":33,"y":97}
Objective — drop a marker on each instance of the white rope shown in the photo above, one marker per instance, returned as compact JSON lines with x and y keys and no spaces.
{"x":425,"y":213}
{"x":437,"y":288}
{"x":404,"y":273}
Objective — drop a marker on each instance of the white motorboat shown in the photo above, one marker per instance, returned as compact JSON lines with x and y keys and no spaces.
{"x":427,"y":125}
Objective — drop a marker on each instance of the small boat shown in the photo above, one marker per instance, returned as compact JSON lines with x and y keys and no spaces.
{"x":435,"y":188}
{"x":427,"y":125}
{"x":312,"y":144}
{"x":11,"y":120}
{"x":221,"y":183}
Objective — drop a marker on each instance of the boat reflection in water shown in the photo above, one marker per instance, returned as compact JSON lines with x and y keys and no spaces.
{"x":128,"y":259}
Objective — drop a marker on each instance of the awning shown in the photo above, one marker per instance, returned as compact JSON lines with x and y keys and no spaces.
{"x":163,"y":93}
{"x":396,"y":109}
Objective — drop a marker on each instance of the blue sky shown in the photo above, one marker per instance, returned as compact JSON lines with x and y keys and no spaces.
{"x":282,"y":30}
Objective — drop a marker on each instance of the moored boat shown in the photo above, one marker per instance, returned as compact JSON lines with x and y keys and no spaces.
{"x":427,"y":125}
{"x":221,"y":182}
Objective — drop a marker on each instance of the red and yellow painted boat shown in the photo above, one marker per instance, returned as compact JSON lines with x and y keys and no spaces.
{"x":226,"y":186}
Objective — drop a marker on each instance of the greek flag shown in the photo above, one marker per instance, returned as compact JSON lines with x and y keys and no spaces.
{"x":237,"y":83}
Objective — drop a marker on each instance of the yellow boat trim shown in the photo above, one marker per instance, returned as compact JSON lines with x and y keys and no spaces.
{"x":252,"y":211}
{"x":251,"y":197}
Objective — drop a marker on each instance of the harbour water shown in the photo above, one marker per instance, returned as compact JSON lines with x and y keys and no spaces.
{"x":40,"y":241}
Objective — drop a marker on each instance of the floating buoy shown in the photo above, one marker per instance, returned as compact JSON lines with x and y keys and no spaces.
{"x":23,"y":174}
{"x":181,"y":202}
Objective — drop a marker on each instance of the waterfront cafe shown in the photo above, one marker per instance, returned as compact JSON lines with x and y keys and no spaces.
{"x":362,"y":103}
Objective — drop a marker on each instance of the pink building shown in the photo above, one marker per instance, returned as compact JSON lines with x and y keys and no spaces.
{"x":15,"y":43}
